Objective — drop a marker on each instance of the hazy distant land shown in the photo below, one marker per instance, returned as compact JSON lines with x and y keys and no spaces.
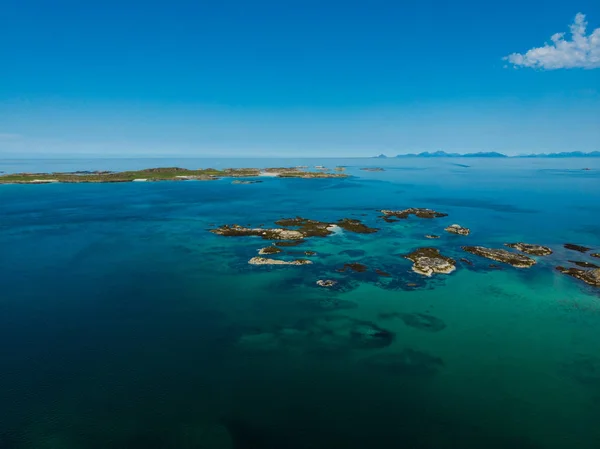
{"x":493,"y":154}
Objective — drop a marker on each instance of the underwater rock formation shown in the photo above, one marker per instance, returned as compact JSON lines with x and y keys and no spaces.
{"x":289,"y":243}
{"x":591,"y":277}
{"x":427,"y":261}
{"x":467,"y":261}
{"x":432,"y":236}
{"x":574,"y":247}
{"x":501,"y":255}
{"x":356,"y":267}
{"x":583,"y":264}
{"x":457,"y":229}
{"x":408,"y":362}
{"x":416,"y":211}
{"x":530,"y":248}
{"x":373,"y":169}
{"x":266,"y":261}
{"x":423,"y":321}
{"x":382,"y":273}
{"x":245,"y":181}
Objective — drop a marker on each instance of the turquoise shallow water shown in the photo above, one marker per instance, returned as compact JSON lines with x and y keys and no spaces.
{"x":124,"y":323}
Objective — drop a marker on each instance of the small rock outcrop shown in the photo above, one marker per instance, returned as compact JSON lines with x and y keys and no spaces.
{"x":591,"y":277}
{"x":416,"y":211}
{"x":597,"y":255}
{"x":245,"y":181}
{"x":427,"y":261}
{"x":530,"y":248}
{"x":266,"y":261}
{"x":353,"y":225}
{"x":574,"y":247}
{"x":501,"y":255}
{"x":583,"y":264}
{"x":432,"y":236}
{"x":457,"y":229}
{"x":269,"y":250}
{"x":373,"y":169}
{"x":326,"y":283}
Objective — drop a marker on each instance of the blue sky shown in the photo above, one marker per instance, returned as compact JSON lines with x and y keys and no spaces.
{"x":275,"y":78}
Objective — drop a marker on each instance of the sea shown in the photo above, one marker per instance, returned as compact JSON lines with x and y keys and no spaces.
{"x":125,"y":323}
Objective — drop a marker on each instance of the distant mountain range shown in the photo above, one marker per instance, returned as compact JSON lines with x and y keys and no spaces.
{"x":494,"y":154}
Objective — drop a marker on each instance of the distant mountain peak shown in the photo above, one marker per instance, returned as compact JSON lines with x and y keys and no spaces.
{"x":440,"y":153}
{"x":381,"y":156}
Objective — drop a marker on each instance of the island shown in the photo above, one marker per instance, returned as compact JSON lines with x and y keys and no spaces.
{"x":162,"y":174}
{"x":265,"y":261}
{"x":501,"y":255}
{"x":296,"y":229}
{"x":427,"y":261}
{"x":457,"y":229}
{"x":590,"y":277}
{"x":530,"y":248}
{"x":578,"y":248}
{"x":416,"y":211}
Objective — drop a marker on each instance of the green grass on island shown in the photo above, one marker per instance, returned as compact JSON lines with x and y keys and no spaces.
{"x":160,"y":174}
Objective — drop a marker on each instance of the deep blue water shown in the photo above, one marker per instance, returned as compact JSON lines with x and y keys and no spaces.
{"x":125,"y":323}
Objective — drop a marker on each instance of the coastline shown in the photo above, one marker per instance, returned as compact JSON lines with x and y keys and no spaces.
{"x":164,"y":174}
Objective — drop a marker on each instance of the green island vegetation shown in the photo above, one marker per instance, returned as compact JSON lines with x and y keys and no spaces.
{"x":159,"y":174}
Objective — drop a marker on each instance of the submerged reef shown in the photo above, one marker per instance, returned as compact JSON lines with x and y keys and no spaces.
{"x":373,"y":169}
{"x":421,"y":321}
{"x":356,"y":267}
{"x":330,"y":334}
{"x":408,"y":362}
{"x":574,"y":247}
{"x":241,"y":181}
{"x":584,"y":264}
{"x":530,"y":248}
{"x":591,"y":277}
{"x":416,"y":211}
{"x":501,"y":255}
{"x":457,"y":229}
{"x":427,"y":261}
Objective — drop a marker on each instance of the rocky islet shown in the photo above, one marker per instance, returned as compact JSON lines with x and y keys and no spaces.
{"x":501,"y":255}
{"x":427,"y":261}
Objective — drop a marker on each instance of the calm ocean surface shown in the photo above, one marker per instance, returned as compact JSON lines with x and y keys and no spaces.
{"x":125,"y":324}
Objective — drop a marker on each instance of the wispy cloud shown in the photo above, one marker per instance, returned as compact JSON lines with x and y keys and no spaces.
{"x":582,"y":51}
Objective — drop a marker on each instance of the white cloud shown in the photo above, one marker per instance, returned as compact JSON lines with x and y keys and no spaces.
{"x":582,"y":51}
